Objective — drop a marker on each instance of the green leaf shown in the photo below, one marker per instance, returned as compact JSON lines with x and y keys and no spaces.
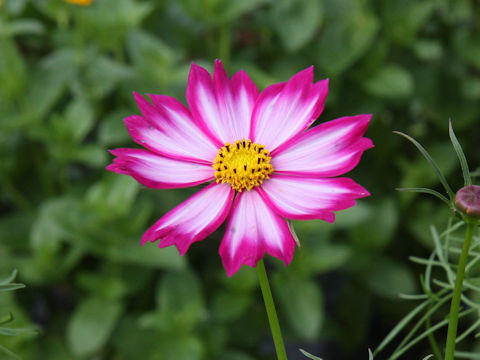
{"x":296,"y":22}
{"x":103,"y":285}
{"x":180,"y":299}
{"x":467,"y":46}
{"x":147,"y":255}
{"x":103,"y":75}
{"x":108,"y":22}
{"x":10,"y":278}
{"x":461,"y":156}
{"x":15,"y":332}
{"x":153,"y":60}
{"x":90,"y":154}
{"x":9,"y":354}
{"x":183,"y":347}
{"x":471,"y":88}
{"x":48,"y":82}
{"x":91,"y":325}
{"x":229,"y":306}
{"x":24,"y":27}
{"x":79,"y":118}
{"x":232,"y":10}
{"x":428,"y":50}
{"x":113,"y":196}
{"x":386,"y":271}
{"x":11,"y":287}
{"x":432,"y":163}
{"x":325,"y":258}
{"x":425,"y":191}
{"x":401,"y":325}
{"x":353,"y":216}
{"x":46,"y":231}
{"x":13,"y":74}
{"x":14,"y":7}
{"x":59,"y":219}
{"x":219,"y":12}
{"x":15,"y":228}
{"x":112,"y":129}
{"x":390,"y":82}
{"x":302,"y":303}
{"x":406,"y":18}
{"x":310,"y":356}
{"x":378,"y":230}
{"x":430,"y":330}
{"x":145,"y":48}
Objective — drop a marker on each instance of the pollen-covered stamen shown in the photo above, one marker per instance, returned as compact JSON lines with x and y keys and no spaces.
{"x":243,"y":164}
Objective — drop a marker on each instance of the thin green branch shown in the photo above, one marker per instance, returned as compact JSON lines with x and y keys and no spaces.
{"x":460,"y":154}
{"x":432,"y":163}
{"x":434,"y":328}
{"x":422,"y":320}
{"x":425,"y":191}
{"x":405,"y":320}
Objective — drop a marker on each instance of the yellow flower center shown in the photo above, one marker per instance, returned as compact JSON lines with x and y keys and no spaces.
{"x":243,"y":164}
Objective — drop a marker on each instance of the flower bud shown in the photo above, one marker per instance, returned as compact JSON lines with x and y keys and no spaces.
{"x":467,"y":200}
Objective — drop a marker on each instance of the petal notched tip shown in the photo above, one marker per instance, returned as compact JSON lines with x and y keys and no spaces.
{"x":193,"y":220}
{"x":305,"y":75}
{"x":253,"y":230}
{"x":218,"y":67}
{"x":197,"y":72}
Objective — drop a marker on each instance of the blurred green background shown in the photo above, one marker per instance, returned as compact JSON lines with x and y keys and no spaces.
{"x":72,"y":229}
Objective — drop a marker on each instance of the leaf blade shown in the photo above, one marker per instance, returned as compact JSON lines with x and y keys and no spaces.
{"x":432,"y":163}
{"x":460,"y":154}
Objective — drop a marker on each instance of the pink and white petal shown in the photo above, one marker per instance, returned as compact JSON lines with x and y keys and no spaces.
{"x":221,"y":106}
{"x":236,"y":99}
{"x":310,"y":198}
{"x":202,"y":101}
{"x":286,"y":109}
{"x":167,"y":128}
{"x":254,"y":228}
{"x":159,"y":172}
{"x":194,"y":219}
{"x":329,"y":149}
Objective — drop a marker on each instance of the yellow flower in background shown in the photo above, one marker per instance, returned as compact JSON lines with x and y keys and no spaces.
{"x":77,"y":2}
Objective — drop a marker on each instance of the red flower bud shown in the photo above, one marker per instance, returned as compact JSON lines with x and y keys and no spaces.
{"x":467,"y":200}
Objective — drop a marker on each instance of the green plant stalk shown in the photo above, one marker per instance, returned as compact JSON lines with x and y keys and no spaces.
{"x":457,"y":293}
{"x":271,"y":312}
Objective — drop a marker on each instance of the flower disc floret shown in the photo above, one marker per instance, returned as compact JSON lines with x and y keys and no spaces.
{"x":243,"y":164}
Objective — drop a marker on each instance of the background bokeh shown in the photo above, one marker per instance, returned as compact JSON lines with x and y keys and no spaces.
{"x":72,"y":229}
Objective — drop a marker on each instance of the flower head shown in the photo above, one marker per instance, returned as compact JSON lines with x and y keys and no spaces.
{"x":253,"y":149}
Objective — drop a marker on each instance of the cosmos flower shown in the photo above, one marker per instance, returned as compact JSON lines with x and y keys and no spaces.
{"x":261,"y":164}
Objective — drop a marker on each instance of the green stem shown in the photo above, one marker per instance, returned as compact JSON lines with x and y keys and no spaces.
{"x":271,"y":312}
{"x":457,"y":293}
